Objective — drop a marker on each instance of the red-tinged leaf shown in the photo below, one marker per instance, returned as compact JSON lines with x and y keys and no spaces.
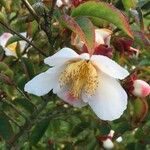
{"x":104,"y":11}
{"x":142,"y":39}
{"x":84,"y":28}
{"x":140,"y":108}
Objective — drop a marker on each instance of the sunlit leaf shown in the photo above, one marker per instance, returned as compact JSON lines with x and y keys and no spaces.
{"x":104,"y":11}
{"x":128,"y":4}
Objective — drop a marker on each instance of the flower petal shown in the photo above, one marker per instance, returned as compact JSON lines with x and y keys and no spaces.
{"x":64,"y":94}
{"x":42,"y":83}
{"x":110,"y":99}
{"x":61,"y":57}
{"x":4,"y":38}
{"x":9,"y":52}
{"x":103,"y":36}
{"x":109,"y":66}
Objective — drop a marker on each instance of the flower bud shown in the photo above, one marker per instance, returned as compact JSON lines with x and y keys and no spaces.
{"x":141,"y":88}
{"x":123,"y":45}
{"x":106,"y":140}
{"x":76,"y":3}
{"x":108,"y":144}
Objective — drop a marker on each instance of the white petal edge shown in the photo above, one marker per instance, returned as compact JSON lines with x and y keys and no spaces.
{"x":9,"y":52}
{"x":109,"y":67}
{"x":4,"y":38}
{"x":42,"y":83}
{"x":61,"y":57}
{"x":110,"y":99}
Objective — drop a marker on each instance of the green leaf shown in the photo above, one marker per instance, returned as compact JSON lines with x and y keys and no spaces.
{"x":39,"y":131}
{"x":88,"y":29}
{"x":13,"y":39}
{"x":27,"y":105}
{"x":28,"y":67}
{"x":58,"y":129}
{"x":104,"y":128}
{"x":3,"y":66}
{"x":84,"y":28}
{"x":79,"y":128}
{"x":140,"y":110}
{"x":128,"y":4}
{"x":104,"y":11}
{"x":6,"y":131}
{"x":122,"y":127}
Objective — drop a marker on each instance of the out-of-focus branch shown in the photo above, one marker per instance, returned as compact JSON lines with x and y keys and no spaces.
{"x":27,"y":126}
{"x":14,"y":107}
{"x":22,"y":37}
{"x":12,"y":120}
{"x":46,"y":25}
{"x":31,"y":10}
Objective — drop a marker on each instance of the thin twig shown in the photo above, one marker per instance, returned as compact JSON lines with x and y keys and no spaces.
{"x":25,"y":95}
{"x":22,"y":37}
{"x":31,"y":10}
{"x":12,"y":120}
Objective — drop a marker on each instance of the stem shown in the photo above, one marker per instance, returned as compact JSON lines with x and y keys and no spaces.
{"x":12,"y":120}
{"x":22,"y":37}
{"x":25,"y":95}
{"x":31,"y":10}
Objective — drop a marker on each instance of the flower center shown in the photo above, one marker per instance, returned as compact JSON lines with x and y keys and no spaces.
{"x":12,"y":47}
{"x":79,"y":76}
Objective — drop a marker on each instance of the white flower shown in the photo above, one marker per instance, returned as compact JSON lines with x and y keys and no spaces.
{"x":80,"y":80}
{"x":10,"y":50}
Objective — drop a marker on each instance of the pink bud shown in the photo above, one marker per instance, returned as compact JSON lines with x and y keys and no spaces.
{"x":141,"y":88}
{"x":107,"y":140}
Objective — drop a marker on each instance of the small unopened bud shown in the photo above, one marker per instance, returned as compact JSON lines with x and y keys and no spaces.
{"x":119,"y":139}
{"x":111,"y":133}
{"x":106,"y":140}
{"x":108,"y":144}
{"x":141,"y":88}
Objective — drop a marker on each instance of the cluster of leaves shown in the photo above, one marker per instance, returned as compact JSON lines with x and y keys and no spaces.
{"x":31,"y":122}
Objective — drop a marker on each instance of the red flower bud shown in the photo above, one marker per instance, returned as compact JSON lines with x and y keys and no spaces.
{"x":141,"y":88}
{"x":137,"y":87}
{"x":123,"y":45}
{"x":75,"y":3}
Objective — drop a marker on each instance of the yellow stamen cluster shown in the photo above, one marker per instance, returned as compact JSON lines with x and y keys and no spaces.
{"x":12,"y":46}
{"x":80,"y":76}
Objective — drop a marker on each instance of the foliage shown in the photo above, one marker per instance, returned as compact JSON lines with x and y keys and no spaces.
{"x":32,"y":122}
